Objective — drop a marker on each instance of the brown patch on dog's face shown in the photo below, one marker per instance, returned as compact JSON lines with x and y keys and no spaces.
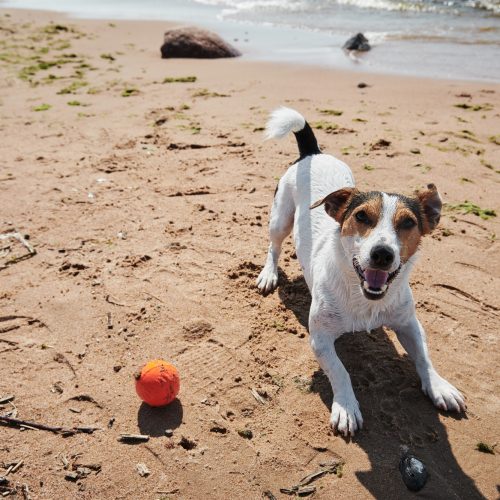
{"x":408,"y":230}
{"x":362,"y":214}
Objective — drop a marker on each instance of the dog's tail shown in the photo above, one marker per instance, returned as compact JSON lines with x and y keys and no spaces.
{"x":285,"y":120}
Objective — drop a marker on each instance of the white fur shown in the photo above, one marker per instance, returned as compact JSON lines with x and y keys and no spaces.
{"x":283,"y":121}
{"x":338,"y":304}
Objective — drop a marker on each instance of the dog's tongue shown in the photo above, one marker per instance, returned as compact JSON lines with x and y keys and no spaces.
{"x":376,"y":278}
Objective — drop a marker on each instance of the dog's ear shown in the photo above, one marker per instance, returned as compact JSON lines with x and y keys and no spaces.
{"x":336,"y":202}
{"x":431,"y":205}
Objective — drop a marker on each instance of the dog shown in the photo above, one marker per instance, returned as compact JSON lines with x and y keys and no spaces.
{"x":356,"y":255}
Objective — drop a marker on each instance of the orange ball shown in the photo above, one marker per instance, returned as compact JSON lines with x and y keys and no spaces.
{"x":158,"y":383}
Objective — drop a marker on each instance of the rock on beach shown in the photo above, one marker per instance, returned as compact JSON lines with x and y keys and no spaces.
{"x":191,"y":42}
{"x":357,"y":42}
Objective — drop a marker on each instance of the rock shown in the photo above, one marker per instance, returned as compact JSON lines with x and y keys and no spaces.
{"x":79,"y":473}
{"x":143,"y":470}
{"x":72,"y":476}
{"x":413,"y":472}
{"x":246,"y":433}
{"x":357,"y":42}
{"x":196,"y":43}
{"x":169,"y":433}
{"x":187,"y":444}
{"x":380,"y":144}
{"x":83,"y":472}
{"x":218,"y":428}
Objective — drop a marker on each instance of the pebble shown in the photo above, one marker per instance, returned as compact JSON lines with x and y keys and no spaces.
{"x":143,"y":470}
{"x":169,"y":433}
{"x":413,"y":472}
{"x":246,"y":433}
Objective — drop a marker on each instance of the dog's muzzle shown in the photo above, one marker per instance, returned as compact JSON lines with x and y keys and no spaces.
{"x":374,"y":282}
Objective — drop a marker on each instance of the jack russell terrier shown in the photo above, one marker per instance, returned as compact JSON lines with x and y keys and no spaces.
{"x":356,"y":256}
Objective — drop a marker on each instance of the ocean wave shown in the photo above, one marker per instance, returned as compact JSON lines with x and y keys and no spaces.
{"x":386,"y":5}
{"x":436,"y":6}
{"x":404,"y":37}
{"x":490,"y":5}
{"x":256,"y":4}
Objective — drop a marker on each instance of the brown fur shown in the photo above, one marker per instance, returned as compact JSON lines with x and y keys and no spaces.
{"x":431,"y":207}
{"x":372,"y":208}
{"x":409,"y":238}
{"x":336,"y":202}
{"x":344,"y":204}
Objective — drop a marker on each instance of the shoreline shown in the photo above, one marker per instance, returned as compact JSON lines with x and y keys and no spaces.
{"x":291,"y":45}
{"x":152,"y":41}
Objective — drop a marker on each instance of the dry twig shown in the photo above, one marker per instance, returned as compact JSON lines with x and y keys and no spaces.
{"x":257,"y":396}
{"x":7,"y":399}
{"x":16,"y":422}
{"x":111,"y":300}
{"x":19,"y":237}
{"x":31,"y":320}
{"x":61,"y":358}
{"x":133,"y":438}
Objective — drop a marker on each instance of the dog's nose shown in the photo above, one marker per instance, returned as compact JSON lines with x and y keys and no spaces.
{"x":381,"y":256}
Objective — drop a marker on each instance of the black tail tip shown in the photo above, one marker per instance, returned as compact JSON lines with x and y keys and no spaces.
{"x":306,"y":141}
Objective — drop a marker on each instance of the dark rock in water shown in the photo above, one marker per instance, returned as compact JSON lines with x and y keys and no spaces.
{"x":413,"y":472}
{"x":196,"y":43}
{"x":357,"y":42}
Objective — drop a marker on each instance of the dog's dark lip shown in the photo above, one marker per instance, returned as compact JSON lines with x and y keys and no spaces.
{"x":373,"y":294}
{"x":358,"y":269}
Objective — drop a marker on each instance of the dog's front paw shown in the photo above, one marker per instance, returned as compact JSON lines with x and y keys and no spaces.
{"x":346,"y":417}
{"x":267,"y":280}
{"x":444,"y":395}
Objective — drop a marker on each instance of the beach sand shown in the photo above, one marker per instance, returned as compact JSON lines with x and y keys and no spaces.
{"x":147,"y":204}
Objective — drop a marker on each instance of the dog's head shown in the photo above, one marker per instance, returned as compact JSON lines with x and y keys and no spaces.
{"x":380,"y":232}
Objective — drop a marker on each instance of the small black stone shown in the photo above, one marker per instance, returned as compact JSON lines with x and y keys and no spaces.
{"x":169,"y":433}
{"x":413,"y":472}
{"x":357,"y":42}
{"x":187,"y":444}
{"x":246,"y":433}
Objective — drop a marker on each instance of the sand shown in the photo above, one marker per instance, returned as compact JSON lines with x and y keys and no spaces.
{"x":148,"y":213}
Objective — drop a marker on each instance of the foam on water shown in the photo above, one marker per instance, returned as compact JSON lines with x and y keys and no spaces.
{"x":235,"y":6}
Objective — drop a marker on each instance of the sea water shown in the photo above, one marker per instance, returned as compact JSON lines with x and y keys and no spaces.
{"x":429,"y":38}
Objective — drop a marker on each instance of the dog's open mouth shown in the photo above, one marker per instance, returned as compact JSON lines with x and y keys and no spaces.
{"x":374,"y":282}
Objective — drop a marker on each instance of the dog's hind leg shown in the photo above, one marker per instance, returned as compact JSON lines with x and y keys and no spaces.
{"x":280,"y":225}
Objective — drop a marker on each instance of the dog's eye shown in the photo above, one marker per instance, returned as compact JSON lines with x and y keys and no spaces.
{"x":362,"y":217}
{"x":407,"y":223}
